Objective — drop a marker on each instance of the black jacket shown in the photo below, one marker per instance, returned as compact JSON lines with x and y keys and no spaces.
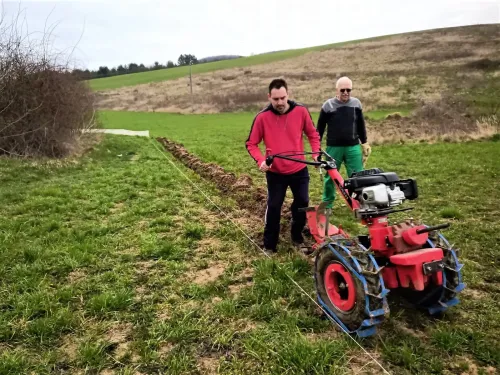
{"x":345,"y":122}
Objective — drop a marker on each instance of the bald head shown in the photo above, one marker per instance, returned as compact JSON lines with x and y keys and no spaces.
{"x":344,"y":87}
{"x":343,"y":81}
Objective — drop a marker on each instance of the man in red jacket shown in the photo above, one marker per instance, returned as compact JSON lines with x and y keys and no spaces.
{"x":281,"y":126}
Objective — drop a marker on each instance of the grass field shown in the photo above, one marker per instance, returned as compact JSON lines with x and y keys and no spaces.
{"x":113,"y":263}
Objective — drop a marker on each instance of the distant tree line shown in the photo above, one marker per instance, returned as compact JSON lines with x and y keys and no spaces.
{"x":104,"y":71}
{"x":183,"y":60}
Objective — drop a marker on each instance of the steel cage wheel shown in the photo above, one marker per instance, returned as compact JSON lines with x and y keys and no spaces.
{"x":348,"y":303}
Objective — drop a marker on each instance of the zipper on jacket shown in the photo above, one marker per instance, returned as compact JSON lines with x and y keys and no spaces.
{"x":354,"y":125}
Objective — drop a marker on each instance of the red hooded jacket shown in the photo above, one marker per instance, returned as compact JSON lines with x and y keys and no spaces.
{"x":282,"y":133}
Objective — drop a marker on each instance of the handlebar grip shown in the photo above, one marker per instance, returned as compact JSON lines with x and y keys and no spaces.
{"x":430,"y":229}
{"x":269,"y":160}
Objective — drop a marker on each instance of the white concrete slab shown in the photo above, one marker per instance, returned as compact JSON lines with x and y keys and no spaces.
{"x":139,"y":133}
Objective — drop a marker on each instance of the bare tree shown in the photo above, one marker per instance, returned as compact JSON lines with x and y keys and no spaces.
{"x":44,"y":109}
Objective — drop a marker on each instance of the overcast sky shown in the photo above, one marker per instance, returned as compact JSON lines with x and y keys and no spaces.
{"x":124,"y":31}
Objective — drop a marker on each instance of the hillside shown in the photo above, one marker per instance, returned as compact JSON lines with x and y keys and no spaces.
{"x":124,"y":80}
{"x":454,"y":65}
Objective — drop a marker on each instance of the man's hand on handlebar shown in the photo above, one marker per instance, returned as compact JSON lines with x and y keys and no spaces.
{"x":316,"y":158}
{"x":264,"y":167}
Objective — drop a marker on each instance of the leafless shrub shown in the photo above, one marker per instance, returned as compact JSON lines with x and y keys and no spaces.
{"x":228,"y":78}
{"x":446,"y":114}
{"x":43,"y":107}
{"x":446,"y":55}
{"x":484,"y":64}
{"x":488,"y":126}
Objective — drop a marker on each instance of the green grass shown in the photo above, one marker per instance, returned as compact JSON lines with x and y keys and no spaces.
{"x":194,"y":130}
{"x":183,"y":71}
{"x":98,"y":260}
{"x":100,"y":257}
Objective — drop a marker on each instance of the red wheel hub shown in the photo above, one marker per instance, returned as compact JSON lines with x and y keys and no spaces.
{"x":340,"y":287}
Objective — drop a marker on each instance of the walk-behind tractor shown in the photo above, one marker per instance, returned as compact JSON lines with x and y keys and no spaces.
{"x":353,"y":275}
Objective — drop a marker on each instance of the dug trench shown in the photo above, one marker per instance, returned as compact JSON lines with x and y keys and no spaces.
{"x":248,"y":196}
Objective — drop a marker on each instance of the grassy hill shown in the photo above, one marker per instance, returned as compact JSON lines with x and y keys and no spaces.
{"x":456,"y":68}
{"x":182,"y":71}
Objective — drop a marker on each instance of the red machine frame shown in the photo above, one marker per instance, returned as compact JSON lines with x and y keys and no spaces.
{"x":400,"y":243}
{"x":411,"y":265}
{"x":353,"y":275}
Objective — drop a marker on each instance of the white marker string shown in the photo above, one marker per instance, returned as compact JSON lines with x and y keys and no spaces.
{"x":262,"y":250}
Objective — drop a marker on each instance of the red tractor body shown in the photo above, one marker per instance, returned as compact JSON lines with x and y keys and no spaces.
{"x":354,"y":274}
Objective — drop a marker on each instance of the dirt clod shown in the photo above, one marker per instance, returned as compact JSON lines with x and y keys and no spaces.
{"x":209,"y":274}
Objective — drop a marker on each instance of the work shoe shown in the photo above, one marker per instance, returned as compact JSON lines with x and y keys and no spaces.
{"x":269,"y":252}
{"x":305,"y":247}
{"x":307,"y":232}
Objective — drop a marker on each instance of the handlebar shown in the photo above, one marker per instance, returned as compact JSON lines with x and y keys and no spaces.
{"x":320,"y":163}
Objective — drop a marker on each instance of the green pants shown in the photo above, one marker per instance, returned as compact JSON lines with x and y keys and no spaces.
{"x":353,"y":158}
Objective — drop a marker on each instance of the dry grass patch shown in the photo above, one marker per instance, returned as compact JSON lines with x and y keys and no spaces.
{"x":129,"y":251}
{"x":244,"y":279}
{"x":143,"y":267}
{"x":119,"y":332}
{"x":236,"y":288}
{"x":210,"y":219}
{"x":165,"y":348}
{"x":466,"y":366}
{"x":362,"y":364}
{"x":69,"y":347}
{"x":331,"y":334}
{"x":117,"y":207}
{"x":208,"y":275}
{"x":475,"y":294}
{"x":208,"y":365}
{"x":75,"y":276}
{"x":208,"y":244}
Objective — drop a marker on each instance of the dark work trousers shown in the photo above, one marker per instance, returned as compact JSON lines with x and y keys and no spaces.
{"x":277,"y":185}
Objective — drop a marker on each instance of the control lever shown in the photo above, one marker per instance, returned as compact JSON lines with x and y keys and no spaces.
{"x":430,"y":229}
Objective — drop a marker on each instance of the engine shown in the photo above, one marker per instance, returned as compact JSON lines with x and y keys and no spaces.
{"x":378,"y":191}
{"x":381,"y":196}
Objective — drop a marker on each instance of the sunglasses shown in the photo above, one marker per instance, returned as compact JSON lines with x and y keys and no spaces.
{"x":344,"y":90}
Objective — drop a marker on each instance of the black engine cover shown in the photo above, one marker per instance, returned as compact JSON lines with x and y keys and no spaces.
{"x":361,"y":180}
{"x":374,"y":176}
